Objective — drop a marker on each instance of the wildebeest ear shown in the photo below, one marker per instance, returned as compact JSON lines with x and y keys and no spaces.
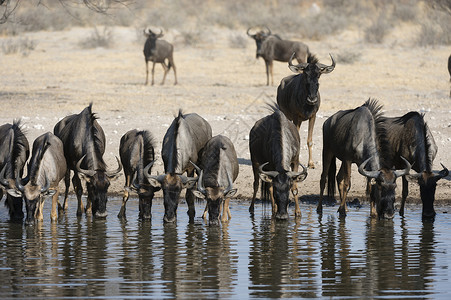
{"x":413,"y":177}
{"x":230,"y":193}
{"x":265,"y":177}
{"x":190,"y":183}
{"x":50,"y":192}
{"x":296,"y":69}
{"x":300,"y":177}
{"x":198,"y":194}
{"x":85,"y":177}
{"x":114,"y":176}
{"x":154,"y":182}
{"x":14,"y":192}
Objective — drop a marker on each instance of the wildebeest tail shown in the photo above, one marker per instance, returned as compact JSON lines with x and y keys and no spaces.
{"x":169,"y":65}
{"x":331,"y":179}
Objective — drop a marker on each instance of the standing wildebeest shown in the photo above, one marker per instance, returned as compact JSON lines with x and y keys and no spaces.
{"x":410,"y":137}
{"x":182,"y":143}
{"x":358,"y":136}
{"x":274,"y":143}
{"x":449,"y":71}
{"x":157,"y":51}
{"x":219,"y":169}
{"x":46,"y":169}
{"x":271,"y":47}
{"x":298,"y":95}
{"x":14,"y":152}
{"x":136,"y":150}
{"x":84,"y":146}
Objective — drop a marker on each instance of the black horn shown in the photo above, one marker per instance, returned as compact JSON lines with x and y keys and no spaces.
{"x":83,"y":171}
{"x":269,"y":173}
{"x":370,"y":174}
{"x":115,"y":172}
{"x":327,"y":69}
{"x":399,"y":173}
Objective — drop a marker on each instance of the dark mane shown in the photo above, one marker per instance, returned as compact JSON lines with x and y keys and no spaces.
{"x":96,"y":136}
{"x":312,"y":59}
{"x":37,"y":159}
{"x":20,"y":143}
{"x":174,"y":159}
{"x":149,"y":146}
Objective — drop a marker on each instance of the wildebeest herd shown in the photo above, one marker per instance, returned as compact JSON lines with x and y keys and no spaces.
{"x":207,"y":166}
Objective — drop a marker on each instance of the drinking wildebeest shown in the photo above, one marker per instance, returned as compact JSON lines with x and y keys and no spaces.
{"x":274,"y":144}
{"x":46,"y":169}
{"x":358,"y":136}
{"x":14,"y":152}
{"x":84,"y":146}
{"x":158,"y":51}
{"x":298,"y":95}
{"x":409,"y":137}
{"x":271,"y":47}
{"x":218,"y":170}
{"x":136,"y":150}
{"x":182,"y":143}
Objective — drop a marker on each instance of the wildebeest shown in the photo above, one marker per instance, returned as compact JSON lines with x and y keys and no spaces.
{"x":358,"y":136}
{"x":136,"y":150}
{"x":271,"y":47}
{"x":158,"y":51}
{"x":298,"y":95}
{"x":410,"y":137}
{"x":274,"y":145}
{"x":449,"y":71}
{"x":84,"y":145}
{"x":219,"y":169}
{"x":46,"y":169}
{"x":182,"y":143}
{"x":14,"y":152}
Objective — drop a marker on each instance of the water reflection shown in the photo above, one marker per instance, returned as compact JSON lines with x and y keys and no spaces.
{"x":248,"y":257}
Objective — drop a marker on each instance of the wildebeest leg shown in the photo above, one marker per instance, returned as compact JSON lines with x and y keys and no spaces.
{"x":66,"y":192}
{"x":294,"y":191}
{"x":78,"y":191}
{"x":166,"y":70}
{"x":405,"y":192}
{"x":270,"y":71}
{"x":171,"y":61}
{"x":369,"y":187}
{"x":153,"y":71}
{"x":328,"y":158}
{"x":273,"y":202}
{"x":267,"y":71}
{"x":226,"y":215}
{"x":190,"y":199}
{"x":53,"y":214}
{"x":344,"y":183}
{"x":147,"y":72}
{"x":121,"y":213}
{"x":256,"y":183}
{"x":311,"y":124}
{"x":204,"y":215}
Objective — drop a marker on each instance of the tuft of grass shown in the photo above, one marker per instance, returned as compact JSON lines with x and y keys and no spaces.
{"x":98,"y":38}
{"x":23,"y":46}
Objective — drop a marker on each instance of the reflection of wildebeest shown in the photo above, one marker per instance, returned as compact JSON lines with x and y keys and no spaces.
{"x":410,"y":137}
{"x":157,"y":51}
{"x":274,"y":144}
{"x":46,"y":169}
{"x":271,"y":47}
{"x":14,"y":152}
{"x":136,"y":150}
{"x":219,"y":169}
{"x":298,"y":95}
{"x":182,"y":143}
{"x":358,"y":136}
{"x":84,"y":146}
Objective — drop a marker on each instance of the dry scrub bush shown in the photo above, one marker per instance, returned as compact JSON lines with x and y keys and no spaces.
{"x":98,"y":38}
{"x":347,"y":57}
{"x":23,"y":46}
{"x":376,"y":32}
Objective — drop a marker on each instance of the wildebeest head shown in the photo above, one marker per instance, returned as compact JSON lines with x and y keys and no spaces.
{"x":281,"y":184}
{"x":146,"y":192}
{"x":312,"y":70}
{"x":172,"y":185}
{"x":214,"y":196}
{"x":383,"y":190}
{"x":259,"y":37}
{"x":428,"y":183}
{"x":152,"y":37}
{"x":97,"y":183}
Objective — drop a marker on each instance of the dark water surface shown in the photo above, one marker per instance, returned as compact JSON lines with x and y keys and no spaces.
{"x":249,"y":257}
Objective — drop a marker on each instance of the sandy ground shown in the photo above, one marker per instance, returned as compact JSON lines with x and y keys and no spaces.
{"x":224,"y":85}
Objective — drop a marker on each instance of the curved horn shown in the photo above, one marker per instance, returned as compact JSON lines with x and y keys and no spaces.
{"x":83,"y":171}
{"x":196,"y":167}
{"x":269,"y":30}
{"x":250,"y":34}
{"x":160,"y":34}
{"x":442,"y":173}
{"x":115,"y":172}
{"x":147,"y":168}
{"x":405,"y":171}
{"x":269,"y":173}
{"x":3,"y":180}
{"x":200,"y":185}
{"x":135,"y":183}
{"x":46,"y":186}
{"x":327,"y":69}
{"x":370,"y":174}
{"x":19,"y":185}
{"x":295,"y":174}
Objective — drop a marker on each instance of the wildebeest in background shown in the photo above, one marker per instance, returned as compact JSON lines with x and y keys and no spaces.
{"x":14,"y":152}
{"x":158,"y":51}
{"x":298,"y":95}
{"x":182,"y":143}
{"x":46,"y":169}
{"x":271,"y":47}
{"x":274,"y":144}
{"x":449,"y":71}
{"x":410,"y":137}
{"x":358,"y":136}
{"x":218,"y":170}
{"x":136,"y":150}
{"x":84,"y":146}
